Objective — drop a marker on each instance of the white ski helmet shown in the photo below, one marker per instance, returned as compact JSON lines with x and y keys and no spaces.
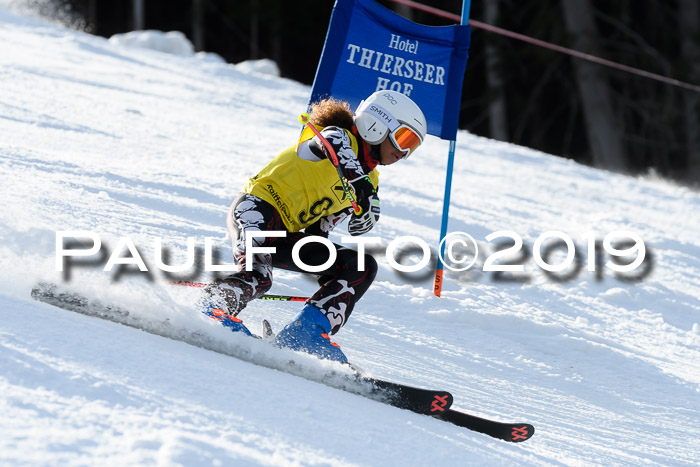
{"x":390,"y":113}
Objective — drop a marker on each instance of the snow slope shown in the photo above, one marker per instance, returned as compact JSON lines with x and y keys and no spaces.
{"x":128,"y":142}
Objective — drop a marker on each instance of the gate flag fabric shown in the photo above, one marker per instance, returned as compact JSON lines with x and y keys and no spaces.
{"x":369,"y":48}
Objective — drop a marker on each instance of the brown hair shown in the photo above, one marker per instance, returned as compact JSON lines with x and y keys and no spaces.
{"x":332,"y":112}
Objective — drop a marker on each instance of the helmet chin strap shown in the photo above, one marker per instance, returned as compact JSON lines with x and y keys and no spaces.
{"x":369,"y":153}
{"x":375,"y":153}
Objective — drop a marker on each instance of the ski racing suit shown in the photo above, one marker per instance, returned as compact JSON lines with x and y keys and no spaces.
{"x":300,"y":192}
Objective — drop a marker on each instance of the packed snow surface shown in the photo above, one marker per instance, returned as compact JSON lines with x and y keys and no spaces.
{"x":131,"y":142}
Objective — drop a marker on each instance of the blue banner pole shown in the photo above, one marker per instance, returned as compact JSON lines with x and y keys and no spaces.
{"x":466,"y":6}
{"x":439,"y":271}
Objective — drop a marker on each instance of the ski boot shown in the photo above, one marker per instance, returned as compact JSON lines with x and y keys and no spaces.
{"x":230,"y":321}
{"x":308,"y":332}
{"x":222,"y":301}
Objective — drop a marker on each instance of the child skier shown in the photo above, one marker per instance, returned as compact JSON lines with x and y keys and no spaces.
{"x":300,"y":193}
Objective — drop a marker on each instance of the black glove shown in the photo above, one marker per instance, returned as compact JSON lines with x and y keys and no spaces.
{"x":363,"y":189}
{"x":367,"y":199}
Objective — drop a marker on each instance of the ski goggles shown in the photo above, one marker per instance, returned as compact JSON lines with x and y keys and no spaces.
{"x":404,"y":138}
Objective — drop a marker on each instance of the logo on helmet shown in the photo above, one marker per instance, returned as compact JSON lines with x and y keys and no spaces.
{"x":379,"y":112}
{"x":390,"y":98}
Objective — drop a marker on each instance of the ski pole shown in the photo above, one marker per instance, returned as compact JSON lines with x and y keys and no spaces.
{"x":281,"y":298}
{"x":304,"y":120}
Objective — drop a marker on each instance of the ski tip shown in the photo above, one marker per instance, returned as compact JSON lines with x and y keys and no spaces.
{"x":442,"y":401}
{"x":521,"y":432}
{"x":511,"y":432}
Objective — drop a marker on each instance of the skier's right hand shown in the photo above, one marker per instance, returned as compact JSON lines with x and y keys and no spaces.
{"x":367,"y":199}
{"x":363,"y":223}
{"x":364,"y":190}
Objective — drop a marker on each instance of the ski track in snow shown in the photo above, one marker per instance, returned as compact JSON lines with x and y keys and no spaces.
{"x":133,"y":142}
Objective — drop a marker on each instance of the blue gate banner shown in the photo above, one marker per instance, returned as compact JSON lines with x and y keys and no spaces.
{"x":370,"y":48}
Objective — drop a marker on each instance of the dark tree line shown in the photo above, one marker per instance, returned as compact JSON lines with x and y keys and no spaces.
{"x":513,"y":91}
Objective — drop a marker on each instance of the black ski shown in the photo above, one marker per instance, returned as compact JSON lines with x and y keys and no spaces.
{"x":417,"y":400}
{"x":399,"y":395}
{"x":423,"y":401}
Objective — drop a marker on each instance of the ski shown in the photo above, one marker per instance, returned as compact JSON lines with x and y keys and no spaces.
{"x":436,"y":404}
{"x":423,"y":401}
{"x":513,"y":432}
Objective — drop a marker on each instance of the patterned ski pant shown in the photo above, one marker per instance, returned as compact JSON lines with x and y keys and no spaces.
{"x":342,"y":284}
